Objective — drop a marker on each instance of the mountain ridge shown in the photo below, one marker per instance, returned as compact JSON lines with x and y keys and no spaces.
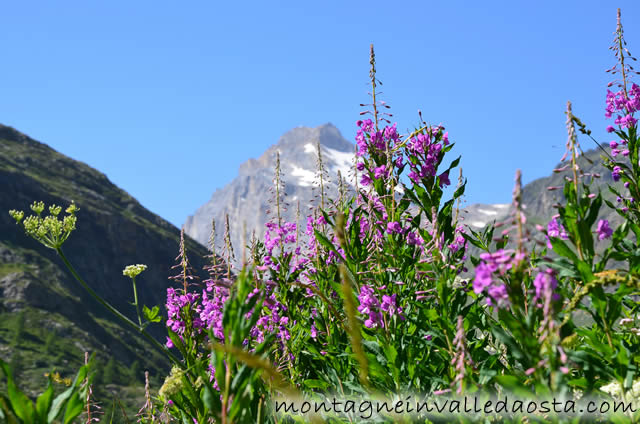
{"x":298,"y":160}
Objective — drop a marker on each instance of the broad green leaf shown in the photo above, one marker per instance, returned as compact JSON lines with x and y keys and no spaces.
{"x":44,"y":401}
{"x":151,"y":315}
{"x":75,"y":406}
{"x":21,"y":404}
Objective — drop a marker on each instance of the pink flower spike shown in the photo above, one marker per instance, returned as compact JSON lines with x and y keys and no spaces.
{"x":603,"y":230}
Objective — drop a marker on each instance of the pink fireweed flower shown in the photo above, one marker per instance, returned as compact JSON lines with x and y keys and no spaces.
{"x":545,"y":281}
{"x":444,"y":179}
{"x":213,"y":308}
{"x":626,"y":121}
{"x":177,"y":305}
{"x":603,"y":229}
{"x":391,"y":133}
{"x":370,"y":307}
{"x":502,"y":260}
{"x":394,"y":227}
{"x":311,"y":235}
{"x":459,"y":242}
{"x":380,"y":172}
{"x":555,"y":229}
{"x":274,"y":322}
{"x":414,"y":239}
{"x":483,"y":278}
{"x":365,"y":180}
{"x":495,"y":263}
{"x":389,"y":306}
{"x":623,"y":106}
{"x":361,"y":143}
{"x":498,"y":295}
{"x":615,"y":174}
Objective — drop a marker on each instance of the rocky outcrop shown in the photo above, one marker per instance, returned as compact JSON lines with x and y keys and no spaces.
{"x":248,"y":199}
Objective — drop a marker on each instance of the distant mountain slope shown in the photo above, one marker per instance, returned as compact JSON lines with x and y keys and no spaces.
{"x":113,"y":230}
{"x":479,"y":215}
{"x":539,"y":200}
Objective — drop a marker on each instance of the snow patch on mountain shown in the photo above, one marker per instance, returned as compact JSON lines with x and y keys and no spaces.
{"x":480,"y":215}
{"x":479,"y":224}
{"x":305,"y":177}
{"x":488,"y":212}
{"x":342,"y":161}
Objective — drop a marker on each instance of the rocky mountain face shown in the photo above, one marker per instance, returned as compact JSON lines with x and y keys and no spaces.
{"x":248,"y":199}
{"x":539,"y":200}
{"x":113,"y":230}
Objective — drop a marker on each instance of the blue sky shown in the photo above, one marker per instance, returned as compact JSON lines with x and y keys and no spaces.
{"x":169,"y":98}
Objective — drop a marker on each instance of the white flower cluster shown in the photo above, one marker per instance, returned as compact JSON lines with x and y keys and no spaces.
{"x":132,"y":271}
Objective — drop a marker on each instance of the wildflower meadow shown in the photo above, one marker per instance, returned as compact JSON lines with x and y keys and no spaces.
{"x":382,"y":306}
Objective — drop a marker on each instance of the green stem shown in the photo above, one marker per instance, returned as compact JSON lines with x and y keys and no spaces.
{"x":135,"y":300}
{"x":117,"y":313}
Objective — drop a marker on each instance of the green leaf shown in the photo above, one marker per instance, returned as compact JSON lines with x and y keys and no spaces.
{"x":324,"y":241}
{"x":177,"y":342}
{"x":585,"y":271}
{"x":561,"y":248}
{"x":391,"y":353}
{"x":460,"y":190}
{"x":486,"y":374}
{"x":43,"y":403}
{"x":593,"y":211}
{"x":455,"y":163}
{"x":21,"y":404}
{"x":151,"y":315}
{"x":210,"y":401}
{"x":514,"y":385}
{"x":60,"y":401}
{"x":75,"y":406}
{"x":315,"y":384}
